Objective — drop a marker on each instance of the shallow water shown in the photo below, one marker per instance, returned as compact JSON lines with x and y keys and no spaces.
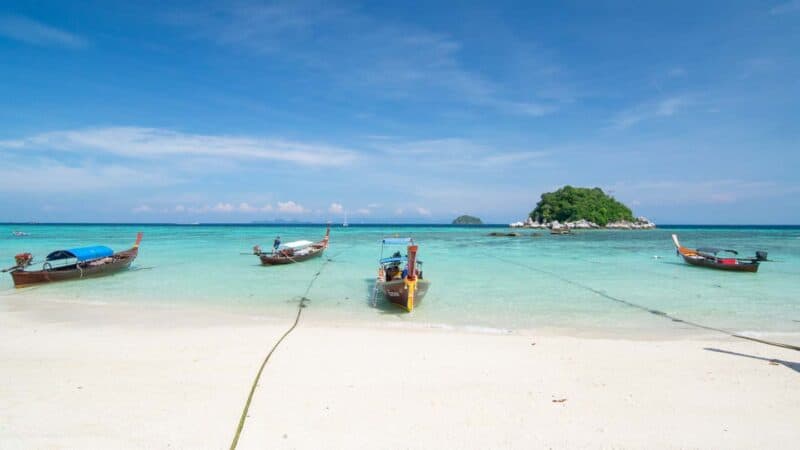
{"x":478,"y":282}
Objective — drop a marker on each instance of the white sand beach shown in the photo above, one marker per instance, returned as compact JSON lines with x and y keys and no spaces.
{"x":83,"y":376}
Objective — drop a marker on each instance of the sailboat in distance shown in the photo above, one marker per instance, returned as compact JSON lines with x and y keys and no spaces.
{"x":345,"y":224}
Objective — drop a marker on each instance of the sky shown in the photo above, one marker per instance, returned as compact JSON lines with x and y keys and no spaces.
{"x":688,"y":112}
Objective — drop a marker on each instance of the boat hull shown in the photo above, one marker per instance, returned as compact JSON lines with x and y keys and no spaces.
{"x":121,"y":261}
{"x":395,"y":291}
{"x":711,"y":264}
{"x":268,"y":259}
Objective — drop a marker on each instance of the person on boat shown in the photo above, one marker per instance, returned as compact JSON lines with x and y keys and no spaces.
{"x":391,"y":272}
{"x":276,"y":244}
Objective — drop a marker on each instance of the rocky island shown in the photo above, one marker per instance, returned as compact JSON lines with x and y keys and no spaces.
{"x":467,"y":220}
{"x":582,"y":208}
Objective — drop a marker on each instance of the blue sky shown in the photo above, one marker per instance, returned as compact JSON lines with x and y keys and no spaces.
{"x":191,"y":112}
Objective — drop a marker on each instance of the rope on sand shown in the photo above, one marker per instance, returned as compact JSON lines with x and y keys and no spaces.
{"x":645,"y":308}
{"x":300,"y":307}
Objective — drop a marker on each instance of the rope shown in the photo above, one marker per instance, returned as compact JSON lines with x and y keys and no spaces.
{"x":300,"y":307}
{"x":646,"y":309}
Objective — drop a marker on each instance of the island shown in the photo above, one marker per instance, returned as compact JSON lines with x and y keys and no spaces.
{"x":582,"y":208}
{"x":467,"y":220}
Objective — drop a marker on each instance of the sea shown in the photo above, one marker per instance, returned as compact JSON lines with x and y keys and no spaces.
{"x":595,"y":282}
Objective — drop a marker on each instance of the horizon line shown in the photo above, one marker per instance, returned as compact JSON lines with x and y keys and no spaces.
{"x":356,"y":224}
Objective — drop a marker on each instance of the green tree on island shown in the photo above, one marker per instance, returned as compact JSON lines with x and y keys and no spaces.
{"x":467,"y":220}
{"x":569,"y":204}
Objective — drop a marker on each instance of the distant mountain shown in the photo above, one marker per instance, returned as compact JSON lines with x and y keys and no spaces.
{"x":467,"y":220}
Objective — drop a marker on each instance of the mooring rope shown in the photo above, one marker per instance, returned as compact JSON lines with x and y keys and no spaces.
{"x":645,"y":308}
{"x":303,"y":299}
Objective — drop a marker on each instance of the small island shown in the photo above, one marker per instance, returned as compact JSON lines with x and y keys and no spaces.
{"x":582,"y":208}
{"x":467,"y":220}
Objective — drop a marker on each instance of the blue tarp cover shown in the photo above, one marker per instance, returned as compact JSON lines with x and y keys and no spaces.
{"x":397,"y":241}
{"x":82,"y":254}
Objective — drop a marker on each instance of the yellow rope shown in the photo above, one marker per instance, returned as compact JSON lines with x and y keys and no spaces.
{"x":300,"y":307}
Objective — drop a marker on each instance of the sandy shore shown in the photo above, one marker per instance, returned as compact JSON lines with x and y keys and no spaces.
{"x":79,"y":376}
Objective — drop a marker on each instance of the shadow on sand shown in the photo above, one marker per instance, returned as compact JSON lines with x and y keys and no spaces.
{"x":377,"y":301}
{"x":792,"y":365}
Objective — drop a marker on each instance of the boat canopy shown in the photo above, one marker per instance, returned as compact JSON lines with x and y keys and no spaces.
{"x":397,"y":241}
{"x":396,"y":259}
{"x":296,"y":244}
{"x":82,"y":253}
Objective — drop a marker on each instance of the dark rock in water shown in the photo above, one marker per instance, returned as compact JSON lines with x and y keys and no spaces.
{"x":500,"y":234}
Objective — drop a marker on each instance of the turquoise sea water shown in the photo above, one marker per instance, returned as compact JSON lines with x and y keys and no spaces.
{"x":478,"y":281}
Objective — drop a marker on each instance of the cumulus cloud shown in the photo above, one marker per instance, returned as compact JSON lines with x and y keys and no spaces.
{"x":291,"y":207}
{"x":246,"y":207}
{"x":336,"y":208}
{"x":223,"y":207}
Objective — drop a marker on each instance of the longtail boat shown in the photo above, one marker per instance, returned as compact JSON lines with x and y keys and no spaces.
{"x":405,"y":286}
{"x":294,"y":252}
{"x":710,"y":257}
{"x":72,"y":264}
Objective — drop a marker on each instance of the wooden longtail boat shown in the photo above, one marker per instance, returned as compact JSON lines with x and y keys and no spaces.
{"x":294,"y":252}
{"x":404,"y":287}
{"x":84,"y":262}
{"x":708,"y":257}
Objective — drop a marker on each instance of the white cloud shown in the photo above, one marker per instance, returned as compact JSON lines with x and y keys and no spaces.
{"x":32,"y":32}
{"x":224,"y":207}
{"x":412,"y":210}
{"x":142,"y":209}
{"x":291,"y":207}
{"x":148,"y":143}
{"x":676,"y":72}
{"x":670,"y":106}
{"x":363,"y":211}
{"x":701,"y":192}
{"x":458,"y":152}
{"x":248,"y":208}
{"x":394,"y":60}
{"x":24,"y":175}
{"x":336,"y":208}
{"x":664,"y":108}
{"x":787,"y":7}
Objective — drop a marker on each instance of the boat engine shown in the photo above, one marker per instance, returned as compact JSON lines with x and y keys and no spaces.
{"x":257,"y":250}
{"x":761,"y":255}
{"x":23,"y":259}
